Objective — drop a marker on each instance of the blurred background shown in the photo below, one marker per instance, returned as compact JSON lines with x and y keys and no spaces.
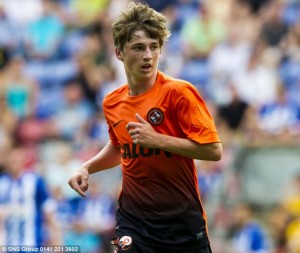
{"x":57,"y":62}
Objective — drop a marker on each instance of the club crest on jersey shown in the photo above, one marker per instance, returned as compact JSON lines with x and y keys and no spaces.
{"x":155,"y":116}
{"x":125,"y":242}
{"x":121,"y":244}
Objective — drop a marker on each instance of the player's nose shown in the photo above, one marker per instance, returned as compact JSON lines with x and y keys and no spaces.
{"x":147,"y":54}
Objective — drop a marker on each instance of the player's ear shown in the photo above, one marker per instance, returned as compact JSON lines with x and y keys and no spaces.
{"x":119,"y":54}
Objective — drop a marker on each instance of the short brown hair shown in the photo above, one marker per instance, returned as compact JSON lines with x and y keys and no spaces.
{"x":139,"y":16}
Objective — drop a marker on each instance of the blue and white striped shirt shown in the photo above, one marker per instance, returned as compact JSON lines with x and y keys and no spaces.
{"x":22,"y":202}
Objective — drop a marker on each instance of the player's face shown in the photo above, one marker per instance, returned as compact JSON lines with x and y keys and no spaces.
{"x":140,"y":56}
{"x":15,"y":161}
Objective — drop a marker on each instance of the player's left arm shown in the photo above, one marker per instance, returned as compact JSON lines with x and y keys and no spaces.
{"x":143,"y":134}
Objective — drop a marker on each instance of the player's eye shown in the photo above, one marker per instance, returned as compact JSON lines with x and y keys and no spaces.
{"x":154,"y":47}
{"x":137,"y":48}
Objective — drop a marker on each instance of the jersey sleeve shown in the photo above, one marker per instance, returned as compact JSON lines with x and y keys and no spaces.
{"x":108,"y":117}
{"x":193,"y":116}
{"x":112,"y":135}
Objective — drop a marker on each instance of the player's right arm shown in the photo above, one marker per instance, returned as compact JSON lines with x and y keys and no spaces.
{"x":108,"y":157}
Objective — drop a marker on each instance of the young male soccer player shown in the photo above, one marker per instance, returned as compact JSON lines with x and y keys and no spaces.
{"x":157,"y":126}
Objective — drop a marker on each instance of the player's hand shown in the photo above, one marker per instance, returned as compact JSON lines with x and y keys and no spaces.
{"x":79,"y":182}
{"x":142,"y":132}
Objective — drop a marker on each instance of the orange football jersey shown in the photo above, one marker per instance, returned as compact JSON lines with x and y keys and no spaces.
{"x":160,"y":188}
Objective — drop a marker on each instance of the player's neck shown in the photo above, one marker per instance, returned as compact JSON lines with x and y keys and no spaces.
{"x":140,"y":86}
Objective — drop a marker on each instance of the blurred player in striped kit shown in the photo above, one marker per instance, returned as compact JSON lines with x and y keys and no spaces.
{"x":26,"y":211}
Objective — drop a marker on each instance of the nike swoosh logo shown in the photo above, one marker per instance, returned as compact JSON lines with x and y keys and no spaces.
{"x":115,"y":124}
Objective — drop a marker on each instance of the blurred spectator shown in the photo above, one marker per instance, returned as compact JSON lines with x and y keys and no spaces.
{"x":256,"y":83}
{"x":90,"y":223}
{"x":293,"y":235}
{"x":44,"y":35}
{"x":98,"y":213}
{"x":220,"y":10}
{"x":290,"y":64}
{"x":242,"y":17}
{"x":72,"y":118}
{"x":291,"y":202}
{"x":278,"y":221}
{"x":291,"y":199}
{"x":27,"y":212}
{"x":209,"y":178}
{"x":100,"y":206}
{"x":173,"y":49}
{"x":87,"y":14}
{"x":30,"y":11}
{"x":114,"y":8}
{"x":291,"y":12}
{"x":3,"y":57}
{"x":97,"y":129}
{"x":67,"y":208}
{"x":256,"y":5}
{"x":31,"y":130}
{"x":20,"y":90}
{"x":58,"y":170}
{"x":8,"y":121}
{"x":225,"y":60}
{"x":280,"y":118}
{"x":160,"y":5}
{"x":273,"y":28}
{"x":249,"y":235}
{"x":94,"y":50}
{"x":10,"y":36}
{"x":94,"y":65}
{"x":234,"y":113}
{"x":79,"y":235}
{"x":200,"y":34}
{"x":107,"y":85}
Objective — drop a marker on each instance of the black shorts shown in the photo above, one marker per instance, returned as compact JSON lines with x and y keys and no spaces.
{"x":125,"y":244}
